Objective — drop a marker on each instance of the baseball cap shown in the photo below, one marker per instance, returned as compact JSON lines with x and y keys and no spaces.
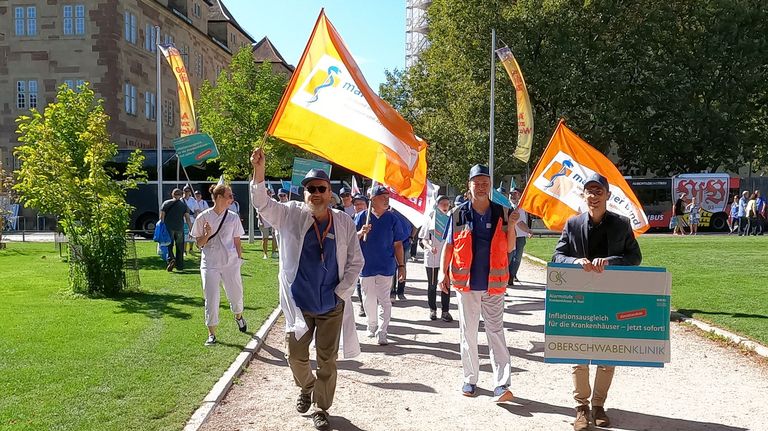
{"x":315,"y":174}
{"x":478,"y":171}
{"x":359,"y":197}
{"x":599,"y":179}
{"x":282,"y":191}
{"x":379,"y":190}
{"x":345,"y":190}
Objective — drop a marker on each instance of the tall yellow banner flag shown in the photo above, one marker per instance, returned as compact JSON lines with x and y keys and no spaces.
{"x":524,"y":109}
{"x":186,"y":104}
{"x":329,"y":109}
{"x":555,"y":190}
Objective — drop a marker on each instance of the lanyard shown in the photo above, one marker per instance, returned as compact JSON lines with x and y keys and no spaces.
{"x":321,"y":238}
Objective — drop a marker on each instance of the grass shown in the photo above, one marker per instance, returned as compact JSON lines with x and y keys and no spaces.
{"x":136,"y":361}
{"x":715,"y":278}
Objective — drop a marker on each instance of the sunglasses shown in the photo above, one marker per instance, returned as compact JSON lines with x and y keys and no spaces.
{"x":316,"y":189}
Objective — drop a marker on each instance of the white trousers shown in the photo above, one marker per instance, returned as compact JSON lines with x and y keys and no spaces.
{"x":233,"y":287}
{"x":376,"y":298}
{"x":472,"y":305}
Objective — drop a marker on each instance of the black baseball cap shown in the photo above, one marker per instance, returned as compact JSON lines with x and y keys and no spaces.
{"x":479,"y":171}
{"x":315,"y":174}
{"x":599,"y":179}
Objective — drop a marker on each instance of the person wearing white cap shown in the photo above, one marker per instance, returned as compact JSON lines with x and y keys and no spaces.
{"x":320,"y":260}
{"x":595,"y":239}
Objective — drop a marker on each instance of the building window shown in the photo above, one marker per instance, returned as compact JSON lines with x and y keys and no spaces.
{"x":74,"y":84}
{"x":26,"y":94}
{"x":25,"y":21}
{"x":196,"y":9}
{"x":199,"y":65}
{"x":150,"y":107}
{"x":168,"y":113}
{"x":233,"y":38}
{"x":185,"y":56}
{"x":130,"y":99}
{"x":74,"y":19}
{"x":130,"y":27}
{"x":167,"y":39}
{"x":150,"y":38}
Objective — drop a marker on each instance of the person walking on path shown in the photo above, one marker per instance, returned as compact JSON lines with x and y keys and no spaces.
{"x":217,"y":232}
{"x":320,"y":259}
{"x":360,"y":203}
{"x":522,"y":233}
{"x":174,"y":213}
{"x":476,"y":263}
{"x":760,"y":209}
{"x":433,"y":241}
{"x":398,"y":285}
{"x":381,"y":240}
{"x":594,"y":240}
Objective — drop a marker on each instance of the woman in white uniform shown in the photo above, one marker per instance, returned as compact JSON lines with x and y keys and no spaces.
{"x":217,"y":232}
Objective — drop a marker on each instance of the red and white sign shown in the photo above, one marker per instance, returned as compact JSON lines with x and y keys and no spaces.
{"x":710,"y":190}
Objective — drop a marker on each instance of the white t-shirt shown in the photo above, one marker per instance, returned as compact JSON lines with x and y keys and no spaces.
{"x":191,"y":206}
{"x":219,"y":251}
{"x":523,"y":219}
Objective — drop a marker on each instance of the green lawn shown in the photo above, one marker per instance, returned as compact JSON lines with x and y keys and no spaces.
{"x":133,"y":362}
{"x":716,"y":278}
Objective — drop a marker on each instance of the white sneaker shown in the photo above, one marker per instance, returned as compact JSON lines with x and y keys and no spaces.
{"x":265,"y":257}
{"x":383,"y":339}
{"x":371,"y":332}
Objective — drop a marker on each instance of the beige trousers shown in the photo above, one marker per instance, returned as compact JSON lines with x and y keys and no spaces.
{"x":582,"y":390}
{"x":327,"y":336}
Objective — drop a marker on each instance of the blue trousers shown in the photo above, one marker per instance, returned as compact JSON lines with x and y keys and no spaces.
{"x":516,"y":257}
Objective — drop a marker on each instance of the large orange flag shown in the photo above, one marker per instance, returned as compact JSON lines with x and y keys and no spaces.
{"x":329,"y":109}
{"x":187,"y":118}
{"x":554,"y":191}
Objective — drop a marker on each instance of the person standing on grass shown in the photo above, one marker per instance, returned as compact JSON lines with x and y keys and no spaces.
{"x":678,"y":211}
{"x":174,"y":213}
{"x":476,"y":263}
{"x":760,"y":210}
{"x":217,"y":232}
{"x":522,"y":233}
{"x":751,"y":211}
{"x":594,"y":240}
{"x":433,"y":241}
{"x":733,"y":220}
{"x":320,"y":260}
{"x":743,"y":221}
{"x":693,"y":215}
{"x":189,"y":199}
{"x":381,"y":240}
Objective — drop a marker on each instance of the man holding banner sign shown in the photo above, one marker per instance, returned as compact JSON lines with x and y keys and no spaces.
{"x":594,"y":240}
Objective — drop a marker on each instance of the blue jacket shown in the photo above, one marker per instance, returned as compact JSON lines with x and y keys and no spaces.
{"x":161,"y":235}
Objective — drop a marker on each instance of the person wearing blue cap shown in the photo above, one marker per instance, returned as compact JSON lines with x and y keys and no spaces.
{"x":320,"y":260}
{"x":476,"y":264}
{"x":346,"y":202}
{"x":594,"y":240}
{"x":381,"y":240}
{"x":283,"y":195}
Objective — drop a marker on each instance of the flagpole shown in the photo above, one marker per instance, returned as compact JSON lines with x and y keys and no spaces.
{"x":493,"y":101}
{"x":159,"y":121}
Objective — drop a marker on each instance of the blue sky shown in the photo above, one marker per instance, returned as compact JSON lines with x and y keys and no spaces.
{"x":374,"y":30}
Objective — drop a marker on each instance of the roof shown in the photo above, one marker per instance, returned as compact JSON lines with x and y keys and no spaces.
{"x":264,"y":50}
{"x":217,"y":12}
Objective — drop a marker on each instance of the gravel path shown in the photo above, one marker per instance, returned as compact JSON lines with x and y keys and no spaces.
{"x":414,"y":383}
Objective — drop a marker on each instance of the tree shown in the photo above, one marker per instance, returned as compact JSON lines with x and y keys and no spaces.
{"x":63,"y":172}
{"x":669,"y":86}
{"x":236,"y":113}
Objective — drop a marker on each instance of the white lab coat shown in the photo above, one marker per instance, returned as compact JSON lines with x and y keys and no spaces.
{"x":292,"y":220}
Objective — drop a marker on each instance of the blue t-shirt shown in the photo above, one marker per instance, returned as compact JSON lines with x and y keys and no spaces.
{"x":405,"y":227}
{"x":481,"y":248}
{"x":379,"y":248}
{"x":314,"y":288}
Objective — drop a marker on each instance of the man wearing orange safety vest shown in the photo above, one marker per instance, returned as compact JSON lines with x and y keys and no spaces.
{"x":475,"y":262}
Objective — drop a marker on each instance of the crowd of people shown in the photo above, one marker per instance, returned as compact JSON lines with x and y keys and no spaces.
{"x":746,"y":214}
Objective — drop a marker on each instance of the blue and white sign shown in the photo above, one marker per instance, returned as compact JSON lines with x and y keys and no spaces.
{"x":618,"y":317}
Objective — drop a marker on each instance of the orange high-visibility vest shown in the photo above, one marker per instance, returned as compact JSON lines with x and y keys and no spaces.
{"x":461,"y":261}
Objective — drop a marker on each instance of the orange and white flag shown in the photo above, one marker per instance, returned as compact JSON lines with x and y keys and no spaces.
{"x":187,"y":118}
{"x":555,"y":189}
{"x":329,"y":109}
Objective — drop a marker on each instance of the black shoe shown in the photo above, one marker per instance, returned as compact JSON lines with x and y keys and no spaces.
{"x":362,"y":312}
{"x":401,"y":296}
{"x":433,"y":315}
{"x":303,"y":403}
{"x":241,"y":324}
{"x":171,"y":265}
{"x":446,"y":317}
{"x":599,"y":417}
{"x":320,"y":419}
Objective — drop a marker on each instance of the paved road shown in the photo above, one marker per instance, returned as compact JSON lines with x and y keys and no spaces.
{"x":413,"y":384}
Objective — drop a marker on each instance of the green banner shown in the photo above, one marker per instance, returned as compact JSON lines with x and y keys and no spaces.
{"x":302,"y":166}
{"x":195,"y":149}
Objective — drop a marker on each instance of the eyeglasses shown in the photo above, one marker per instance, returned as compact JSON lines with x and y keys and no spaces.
{"x":317,"y":189}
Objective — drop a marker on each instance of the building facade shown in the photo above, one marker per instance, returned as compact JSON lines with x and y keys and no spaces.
{"x":112,"y":45}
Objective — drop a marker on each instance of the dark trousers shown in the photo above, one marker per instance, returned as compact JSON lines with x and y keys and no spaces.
{"x":445,"y":298}
{"x":177,"y":242}
{"x":516,"y":257}
{"x":327,"y":336}
{"x":760,"y":225}
{"x":743,"y":226}
{"x":398,"y":287}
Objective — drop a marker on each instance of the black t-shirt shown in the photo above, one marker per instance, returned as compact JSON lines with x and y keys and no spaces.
{"x":597,"y":240}
{"x":174,"y":214}
{"x":679,"y":207}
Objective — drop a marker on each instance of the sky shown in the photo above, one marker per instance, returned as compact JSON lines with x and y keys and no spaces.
{"x":373,"y":30}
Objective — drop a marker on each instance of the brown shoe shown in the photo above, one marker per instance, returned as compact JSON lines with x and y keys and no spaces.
{"x":582,"y":419}
{"x":600,"y":418}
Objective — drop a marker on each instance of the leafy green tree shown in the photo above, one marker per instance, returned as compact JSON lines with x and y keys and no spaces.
{"x":662,"y":87}
{"x":236,"y":113}
{"x":63,"y":172}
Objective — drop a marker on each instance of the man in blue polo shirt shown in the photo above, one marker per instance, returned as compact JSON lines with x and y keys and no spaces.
{"x":381,"y":241}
